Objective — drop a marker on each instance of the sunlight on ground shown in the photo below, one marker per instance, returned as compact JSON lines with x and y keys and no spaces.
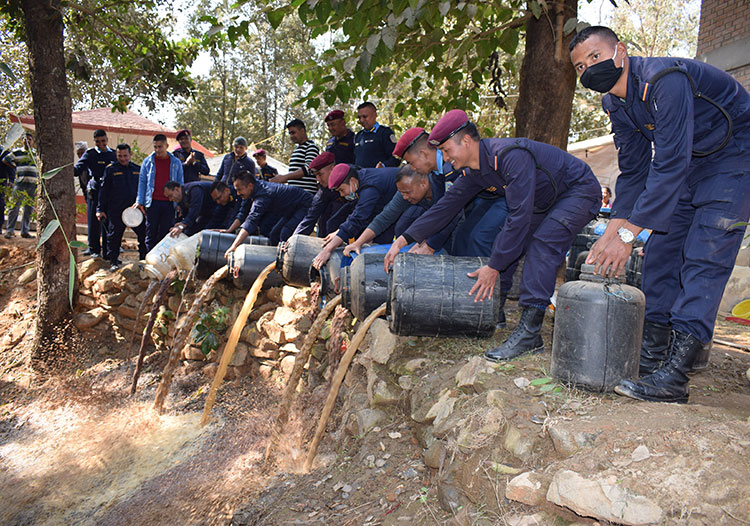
{"x":72,"y":463}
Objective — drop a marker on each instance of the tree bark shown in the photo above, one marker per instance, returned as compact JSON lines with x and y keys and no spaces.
{"x":547,"y":78}
{"x":54,"y":137}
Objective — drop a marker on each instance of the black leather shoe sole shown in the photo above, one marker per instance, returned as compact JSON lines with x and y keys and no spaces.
{"x":625,"y":389}
{"x":489,"y":356}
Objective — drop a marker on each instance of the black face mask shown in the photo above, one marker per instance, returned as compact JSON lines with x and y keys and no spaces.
{"x":602,"y":76}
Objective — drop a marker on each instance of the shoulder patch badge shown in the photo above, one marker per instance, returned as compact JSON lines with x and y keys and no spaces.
{"x":393,"y":138}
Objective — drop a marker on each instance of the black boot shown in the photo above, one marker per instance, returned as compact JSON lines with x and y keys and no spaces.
{"x":653,"y":347}
{"x":501,"y":315}
{"x":670,"y":383}
{"x":525,"y":338}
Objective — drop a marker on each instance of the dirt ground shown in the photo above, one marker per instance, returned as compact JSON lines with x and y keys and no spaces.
{"x":76,"y":449}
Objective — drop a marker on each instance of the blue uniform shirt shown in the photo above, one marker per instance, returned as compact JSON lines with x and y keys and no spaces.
{"x":280,"y":199}
{"x":510,"y":174}
{"x":192,"y":172}
{"x":665,"y":114}
{"x":342,"y":148}
{"x":374,"y":146}
{"x":376,"y":188}
{"x":93,"y":162}
{"x":267,"y":172}
{"x":230,"y":167}
{"x":196,"y":203}
{"x":119,"y":188}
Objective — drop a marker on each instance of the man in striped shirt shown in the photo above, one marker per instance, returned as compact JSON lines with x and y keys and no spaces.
{"x":304,"y":153}
{"x":24,"y":187}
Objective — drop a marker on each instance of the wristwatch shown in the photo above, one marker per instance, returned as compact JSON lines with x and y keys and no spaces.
{"x":626,"y":236}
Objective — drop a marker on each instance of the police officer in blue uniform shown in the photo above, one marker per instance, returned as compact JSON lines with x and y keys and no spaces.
{"x":417,"y":192}
{"x":261,"y":199}
{"x":228,"y":205}
{"x":370,"y":189}
{"x":265,"y":170}
{"x":341,"y":143}
{"x":118,"y":191}
{"x":92,"y":164}
{"x":193,"y":162}
{"x":196,"y":210}
{"x":374,"y":143}
{"x":328,"y":208}
{"x":235,"y":162}
{"x":696,"y":118}
{"x":484,"y":215}
{"x":551,"y":195}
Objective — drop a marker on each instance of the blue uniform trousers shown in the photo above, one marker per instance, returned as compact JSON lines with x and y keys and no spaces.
{"x":159,"y":219}
{"x":115,"y":230}
{"x":97,"y":230}
{"x":285,"y":227}
{"x":549,"y":238}
{"x":476,"y":234}
{"x":686,"y":269}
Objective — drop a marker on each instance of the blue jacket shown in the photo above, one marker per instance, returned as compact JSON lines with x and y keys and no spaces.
{"x":7,"y":171}
{"x":225,"y":215}
{"x":528,"y":190}
{"x":665,"y":114}
{"x":119,"y":188}
{"x":230,"y":167}
{"x":376,"y":188}
{"x":197,"y":208}
{"x":280,"y":199}
{"x":342,"y":148}
{"x":147,"y":177}
{"x":322,"y":198}
{"x":374,"y":146}
{"x":192,"y":173}
{"x":92,"y":163}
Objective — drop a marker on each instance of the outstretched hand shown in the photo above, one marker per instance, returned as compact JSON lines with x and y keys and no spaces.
{"x":486,"y":279}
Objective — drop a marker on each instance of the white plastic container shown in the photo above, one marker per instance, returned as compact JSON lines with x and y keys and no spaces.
{"x":157,"y":260}
{"x":182,"y":255}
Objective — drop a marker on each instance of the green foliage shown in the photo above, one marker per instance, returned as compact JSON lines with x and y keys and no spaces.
{"x":209,"y":328}
{"x":15,"y":91}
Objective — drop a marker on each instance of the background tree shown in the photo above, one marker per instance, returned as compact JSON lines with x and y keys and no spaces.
{"x":136,"y":52}
{"x":15,"y":94}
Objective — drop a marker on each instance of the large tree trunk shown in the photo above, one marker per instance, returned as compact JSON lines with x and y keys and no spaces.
{"x":547,"y":78}
{"x":54,"y":137}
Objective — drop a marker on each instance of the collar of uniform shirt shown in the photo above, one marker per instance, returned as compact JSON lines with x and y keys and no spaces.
{"x":374,"y":128}
{"x":107,"y":149}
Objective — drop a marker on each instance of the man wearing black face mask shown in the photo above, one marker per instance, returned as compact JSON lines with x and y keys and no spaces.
{"x":691,"y":192}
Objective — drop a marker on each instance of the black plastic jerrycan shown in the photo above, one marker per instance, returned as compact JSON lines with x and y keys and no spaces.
{"x":248,"y":261}
{"x":598,"y":329}
{"x":429,"y":296}
{"x":211,"y":248}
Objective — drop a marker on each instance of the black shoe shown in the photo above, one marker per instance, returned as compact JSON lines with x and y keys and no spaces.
{"x":25,"y":234}
{"x":89,"y":252}
{"x":525,"y":338}
{"x":115,"y":266}
{"x":501,"y":314}
{"x":654,"y":347}
{"x":701,"y":361}
{"x":670,"y":383}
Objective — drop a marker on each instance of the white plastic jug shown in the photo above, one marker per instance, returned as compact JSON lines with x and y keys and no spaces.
{"x":157,"y":264}
{"x":182,"y":255}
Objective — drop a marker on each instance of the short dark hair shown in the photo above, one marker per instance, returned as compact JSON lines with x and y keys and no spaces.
{"x":172,"y":185}
{"x":608,"y":189}
{"x":123,"y":146}
{"x":219,"y":186}
{"x":367,"y":104}
{"x":100,"y":133}
{"x":421,"y":143}
{"x":601,"y":31}
{"x":296,"y":123}
{"x":160,"y":137}
{"x":470,"y":129}
{"x":246,"y":177}
{"x":408,"y":171}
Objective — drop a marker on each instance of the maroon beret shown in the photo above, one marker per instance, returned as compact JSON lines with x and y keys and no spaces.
{"x":339,"y":173}
{"x":333,"y":115}
{"x":182,"y":132}
{"x":407,"y":140}
{"x":322,"y":160}
{"x":260,"y":153}
{"x":448,"y":125}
